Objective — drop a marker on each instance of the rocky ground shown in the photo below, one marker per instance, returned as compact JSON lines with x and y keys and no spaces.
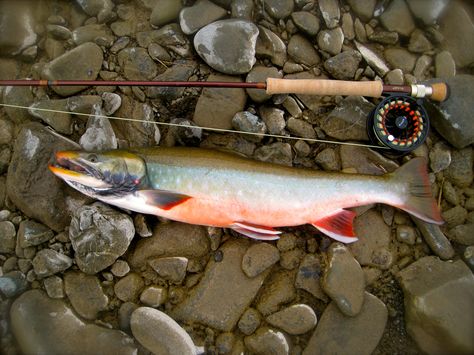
{"x":74,"y":269}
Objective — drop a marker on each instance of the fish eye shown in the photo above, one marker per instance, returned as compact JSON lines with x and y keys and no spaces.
{"x":92,"y":158}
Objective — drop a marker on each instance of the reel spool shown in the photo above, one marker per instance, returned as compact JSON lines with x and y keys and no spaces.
{"x":399,"y":122}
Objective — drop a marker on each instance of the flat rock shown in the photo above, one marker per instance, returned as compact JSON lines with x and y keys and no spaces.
{"x":99,"y":236}
{"x":180,"y":71}
{"x":223,"y":293}
{"x":445,"y":65}
{"x":48,"y":262}
{"x":216,"y":107}
{"x":300,"y":128}
{"x":363,"y":9}
{"x":295,"y":320}
{"x":80,"y":63}
{"x":31,"y":186}
{"x":202,"y":13}
{"x":348,"y":121}
{"x":373,"y":235}
{"x":330,"y":11}
{"x":455,"y":21}
{"x":302,"y":51}
{"x":343,"y":66}
{"x":85,"y":293}
{"x":340,"y":334}
{"x":97,"y":33}
{"x":228,"y":46}
{"x":439,"y":299}
{"x":44,"y":325}
{"x":159,"y":333}
{"x":306,"y":22}
{"x":128,"y":288}
{"x":278,"y":290}
{"x":169,"y":36}
{"x":397,"y":17}
{"x":172,"y":268}
{"x":366,"y":161}
{"x":170,"y":240}
{"x":258,"y":258}
{"x":419,"y":43}
{"x":373,"y":59}
{"x":400,"y":58}
{"x":450,"y":118}
{"x":137,"y":64}
{"x":343,"y":280}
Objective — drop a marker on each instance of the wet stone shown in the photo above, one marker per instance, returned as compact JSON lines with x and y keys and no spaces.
{"x":7,"y":237}
{"x":331,"y":40}
{"x":128,"y":288}
{"x":208,"y":302}
{"x":31,"y":233}
{"x":250,"y":321}
{"x":228,"y":46}
{"x":295,"y":320}
{"x":48,"y":262}
{"x":154,"y":296}
{"x":99,"y":236}
{"x":172,"y":269}
{"x":39,"y":324}
{"x":258,"y":258}
{"x":279,"y":9}
{"x":340,"y":334}
{"x":439,"y":299}
{"x":165,"y":11}
{"x":343,"y":280}
{"x":306,"y":22}
{"x":343,"y":66}
{"x":85,"y":294}
{"x":54,"y":286}
{"x":13,"y":283}
{"x":159,"y":333}
{"x":302,"y":51}
{"x":216,"y":107}
{"x":80,"y":63}
{"x":348,"y":121}
{"x":202,"y":13}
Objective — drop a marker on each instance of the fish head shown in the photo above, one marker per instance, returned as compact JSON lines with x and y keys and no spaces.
{"x":99,"y":174}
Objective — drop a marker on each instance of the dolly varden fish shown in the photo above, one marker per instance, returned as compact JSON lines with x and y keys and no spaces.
{"x":220,"y":189}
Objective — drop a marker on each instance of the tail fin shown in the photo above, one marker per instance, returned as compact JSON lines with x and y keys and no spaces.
{"x":419,"y":200}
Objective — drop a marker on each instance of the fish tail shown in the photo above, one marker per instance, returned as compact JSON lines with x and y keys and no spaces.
{"x":419,"y":199}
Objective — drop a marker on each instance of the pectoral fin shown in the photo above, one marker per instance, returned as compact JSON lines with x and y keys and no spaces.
{"x":338,"y":226}
{"x":255,"y":231}
{"x":165,"y":200}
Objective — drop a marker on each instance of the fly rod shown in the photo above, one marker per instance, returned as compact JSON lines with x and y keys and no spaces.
{"x":322,"y":87}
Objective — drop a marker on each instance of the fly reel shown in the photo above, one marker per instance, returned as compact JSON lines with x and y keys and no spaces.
{"x":399,"y":122}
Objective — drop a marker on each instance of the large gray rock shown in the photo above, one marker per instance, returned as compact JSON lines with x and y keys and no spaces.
{"x":344,"y":65}
{"x":457,"y":21}
{"x":99,"y":134}
{"x":439,"y":304}
{"x":80,"y":63}
{"x":61,"y":122}
{"x":279,"y":9}
{"x":228,"y":46}
{"x":451,"y":117}
{"x":339,"y":334}
{"x":216,"y":107}
{"x":363,"y":9}
{"x":48,"y":262}
{"x":427,"y":10}
{"x":302,"y":51}
{"x":330,"y":10}
{"x":165,"y":11}
{"x":45,"y":326}
{"x":223,"y":293}
{"x":348,"y":121}
{"x":31,"y":186}
{"x":373,"y":59}
{"x":331,"y":40}
{"x":97,"y":33}
{"x":99,"y":236}
{"x":159,"y":333}
{"x":397,"y":17}
{"x":269,"y":45}
{"x":137,"y":64}
{"x":202,"y":13}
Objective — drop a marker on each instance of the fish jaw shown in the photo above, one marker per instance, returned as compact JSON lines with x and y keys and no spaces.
{"x":71,"y":176}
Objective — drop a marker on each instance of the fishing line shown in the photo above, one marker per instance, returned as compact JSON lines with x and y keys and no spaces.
{"x":220,"y":130}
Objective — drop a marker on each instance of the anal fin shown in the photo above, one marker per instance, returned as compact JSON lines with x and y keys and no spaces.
{"x":255,"y":231}
{"x":338,"y":226}
{"x":165,"y":200}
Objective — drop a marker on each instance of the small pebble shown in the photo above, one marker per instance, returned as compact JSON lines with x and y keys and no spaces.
{"x":153,"y":296}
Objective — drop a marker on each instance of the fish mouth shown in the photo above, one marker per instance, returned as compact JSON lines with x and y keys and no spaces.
{"x":73,"y":169}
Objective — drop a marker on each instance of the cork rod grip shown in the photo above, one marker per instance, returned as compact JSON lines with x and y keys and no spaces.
{"x":324,"y":87}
